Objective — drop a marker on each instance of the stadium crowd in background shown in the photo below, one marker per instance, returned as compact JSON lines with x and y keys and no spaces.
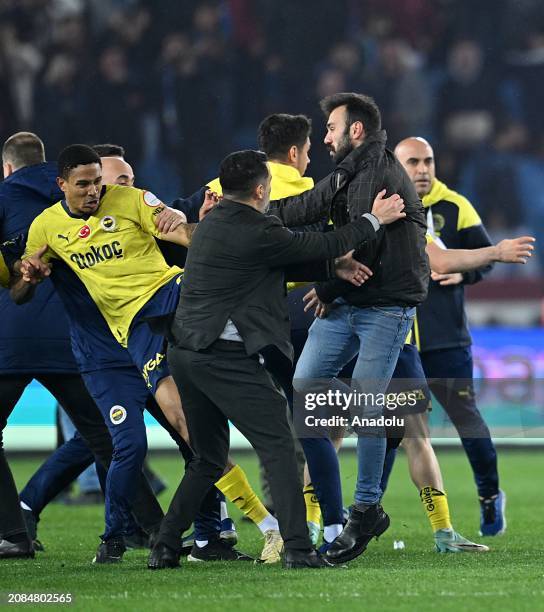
{"x":198,"y":76}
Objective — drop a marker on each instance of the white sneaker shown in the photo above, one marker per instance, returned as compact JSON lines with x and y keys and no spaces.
{"x":448,"y":540}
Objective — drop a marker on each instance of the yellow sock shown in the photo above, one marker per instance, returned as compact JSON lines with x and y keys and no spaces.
{"x":435,"y":503}
{"x":237,"y":490}
{"x":313,"y":511}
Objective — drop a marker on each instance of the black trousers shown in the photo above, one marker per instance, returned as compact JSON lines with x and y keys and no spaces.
{"x":71,"y":393}
{"x":450,"y":373}
{"x":216,"y":385}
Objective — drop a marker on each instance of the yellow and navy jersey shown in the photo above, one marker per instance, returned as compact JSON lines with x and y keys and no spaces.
{"x":453,"y":218}
{"x":113,"y":251}
{"x":454,"y":223}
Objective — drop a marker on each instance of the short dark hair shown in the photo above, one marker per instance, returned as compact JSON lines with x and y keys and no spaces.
{"x":358,"y":108}
{"x":109,"y":150}
{"x":76,"y":155}
{"x":241,"y":171}
{"x":279,"y":132}
{"x":23,"y":149}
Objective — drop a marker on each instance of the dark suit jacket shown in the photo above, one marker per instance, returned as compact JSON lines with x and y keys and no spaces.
{"x":236,"y":268}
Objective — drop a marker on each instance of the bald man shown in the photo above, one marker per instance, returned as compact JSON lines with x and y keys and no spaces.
{"x":116,"y":171}
{"x":441,"y":330}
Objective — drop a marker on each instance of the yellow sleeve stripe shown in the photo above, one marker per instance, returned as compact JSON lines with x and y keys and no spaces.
{"x":468,"y":217}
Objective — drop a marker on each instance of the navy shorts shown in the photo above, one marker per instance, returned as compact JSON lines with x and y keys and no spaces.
{"x":146,"y":343}
{"x":409,"y":377}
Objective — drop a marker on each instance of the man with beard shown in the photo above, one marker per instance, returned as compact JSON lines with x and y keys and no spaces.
{"x":371,"y":324}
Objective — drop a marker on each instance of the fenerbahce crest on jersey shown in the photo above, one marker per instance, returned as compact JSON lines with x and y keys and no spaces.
{"x":112,"y":251}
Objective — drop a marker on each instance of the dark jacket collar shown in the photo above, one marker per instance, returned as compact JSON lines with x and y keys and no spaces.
{"x":371,"y":147}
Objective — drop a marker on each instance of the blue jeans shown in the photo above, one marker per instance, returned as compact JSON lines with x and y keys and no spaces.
{"x":375,"y":335}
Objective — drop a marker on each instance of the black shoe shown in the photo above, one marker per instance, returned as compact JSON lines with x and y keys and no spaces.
{"x":362,"y":526}
{"x":217,"y":550}
{"x":186,"y":544}
{"x":298,"y":559}
{"x":31,"y":525}
{"x":162,"y":557}
{"x":16,"y":550}
{"x":110,"y":551}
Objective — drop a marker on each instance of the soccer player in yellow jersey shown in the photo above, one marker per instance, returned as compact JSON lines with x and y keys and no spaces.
{"x":286,"y":141}
{"x":97,"y":227}
{"x":105,"y":234}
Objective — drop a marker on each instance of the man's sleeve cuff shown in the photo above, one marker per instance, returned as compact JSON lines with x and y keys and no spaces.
{"x":373,"y":220}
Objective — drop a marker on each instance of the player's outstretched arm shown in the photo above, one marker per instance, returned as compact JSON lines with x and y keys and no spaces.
{"x":20,"y":290}
{"x":515,"y":250}
{"x":447,"y":261}
{"x":26,"y":274}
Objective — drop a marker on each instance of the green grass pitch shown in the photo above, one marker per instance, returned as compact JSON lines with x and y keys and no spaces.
{"x":510,"y":577}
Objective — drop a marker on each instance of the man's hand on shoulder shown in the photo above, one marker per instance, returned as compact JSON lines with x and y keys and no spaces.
{"x":388,"y":210}
{"x":349,"y":269}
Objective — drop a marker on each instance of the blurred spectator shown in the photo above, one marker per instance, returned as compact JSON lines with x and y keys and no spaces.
{"x":23,"y":61}
{"x":180,"y":84}
{"x":7,"y":107}
{"x":204,"y":100}
{"x":401,"y":89}
{"x":463,"y":109}
{"x":527,"y":72}
{"x":62,"y":96}
{"x":117,"y":103}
